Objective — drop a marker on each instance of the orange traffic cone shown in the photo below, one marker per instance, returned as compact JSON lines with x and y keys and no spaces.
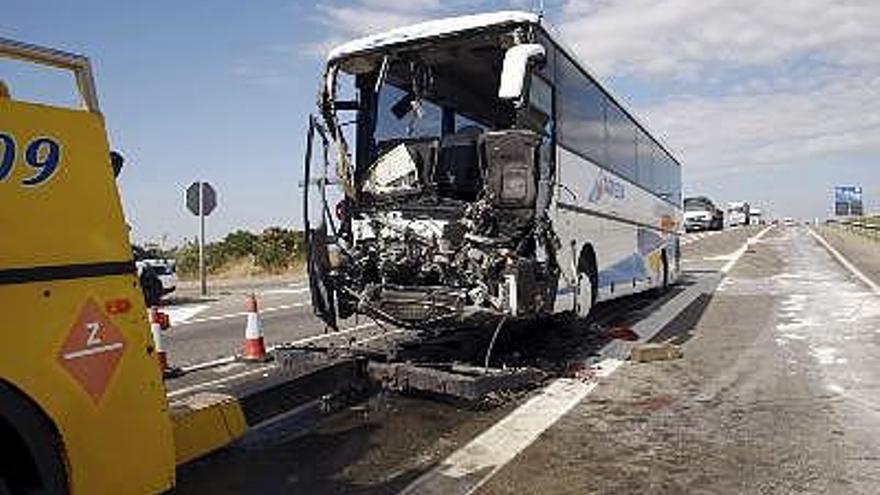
{"x":254,"y":345}
{"x":156,"y":330}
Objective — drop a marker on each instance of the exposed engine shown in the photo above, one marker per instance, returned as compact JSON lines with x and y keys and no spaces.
{"x":429,"y":257}
{"x":444,"y":215}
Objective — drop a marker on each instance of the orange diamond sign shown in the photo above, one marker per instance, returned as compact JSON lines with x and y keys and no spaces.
{"x":92,"y":350}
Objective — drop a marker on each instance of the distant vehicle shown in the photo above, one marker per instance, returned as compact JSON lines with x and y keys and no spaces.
{"x":157,"y":273}
{"x":789,"y":222}
{"x":756,"y":217}
{"x":738,"y":214}
{"x":700,"y":213}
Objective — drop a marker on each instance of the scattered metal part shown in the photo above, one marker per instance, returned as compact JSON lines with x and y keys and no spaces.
{"x":469,"y":383}
{"x":492,"y":342}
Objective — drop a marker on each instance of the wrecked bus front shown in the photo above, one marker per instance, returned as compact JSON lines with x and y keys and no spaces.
{"x":481,"y":172}
{"x":442,"y":207}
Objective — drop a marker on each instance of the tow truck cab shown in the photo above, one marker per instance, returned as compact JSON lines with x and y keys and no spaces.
{"x":82,"y":403}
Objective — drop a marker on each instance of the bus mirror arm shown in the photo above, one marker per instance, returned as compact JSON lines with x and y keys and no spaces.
{"x":515,"y":69}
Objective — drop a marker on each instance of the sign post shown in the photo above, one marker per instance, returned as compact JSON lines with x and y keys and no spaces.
{"x":201,"y":199}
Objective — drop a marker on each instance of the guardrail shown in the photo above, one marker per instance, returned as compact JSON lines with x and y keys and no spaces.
{"x":865,"y":226}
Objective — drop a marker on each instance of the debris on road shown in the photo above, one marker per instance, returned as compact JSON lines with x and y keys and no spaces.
{"x":648,"y":352}
{"x":470,"y":383}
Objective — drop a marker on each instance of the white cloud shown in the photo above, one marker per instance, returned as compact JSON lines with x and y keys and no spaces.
{"x":683,"y":37}
{"x":776,"y":126}
{"x":773,"y":83}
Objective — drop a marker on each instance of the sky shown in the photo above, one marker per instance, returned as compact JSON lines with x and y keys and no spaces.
{"x":770,"y":102}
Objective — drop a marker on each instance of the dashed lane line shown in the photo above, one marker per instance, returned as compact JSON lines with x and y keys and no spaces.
{"x":742,"y":250}
{"x":239,"y":314}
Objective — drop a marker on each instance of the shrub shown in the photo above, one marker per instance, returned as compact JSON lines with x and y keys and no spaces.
{"x":240,"y":243}
{"x":187,"y":257}
{"x":277,"y":249}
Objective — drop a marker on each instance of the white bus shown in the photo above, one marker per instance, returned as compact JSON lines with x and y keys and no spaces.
{"x":482,"y":173}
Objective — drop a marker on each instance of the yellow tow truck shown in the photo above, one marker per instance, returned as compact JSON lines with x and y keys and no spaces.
{"x":83,"y":406}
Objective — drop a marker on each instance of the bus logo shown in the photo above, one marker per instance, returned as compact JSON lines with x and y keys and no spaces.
{"x":606,"y":187}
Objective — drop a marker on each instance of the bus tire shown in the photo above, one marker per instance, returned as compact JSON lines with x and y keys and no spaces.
{"x":587,"y":280}
{"x":32,"y":458}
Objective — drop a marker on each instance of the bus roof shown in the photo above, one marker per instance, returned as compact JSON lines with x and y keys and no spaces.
{"x":432,"y":29}
{"x":456,"y":25}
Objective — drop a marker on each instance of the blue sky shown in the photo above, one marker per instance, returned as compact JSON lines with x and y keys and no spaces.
{"x":772,"y":102}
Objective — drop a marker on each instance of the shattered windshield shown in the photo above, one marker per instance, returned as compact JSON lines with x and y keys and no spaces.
{"x":423,"y":111}
{"x":401,"y":116}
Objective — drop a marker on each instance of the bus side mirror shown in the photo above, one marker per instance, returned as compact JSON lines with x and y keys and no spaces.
{"x":116,"y":162}
{"x":515,"y":68}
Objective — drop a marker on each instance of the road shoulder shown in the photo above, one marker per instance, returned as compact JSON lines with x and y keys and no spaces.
{"x":862,"y":252}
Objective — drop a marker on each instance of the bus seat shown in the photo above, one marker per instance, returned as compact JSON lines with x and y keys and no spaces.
{"x":457,"y":174}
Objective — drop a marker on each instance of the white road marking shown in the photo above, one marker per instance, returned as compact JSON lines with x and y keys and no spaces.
{"x":181,"y":314}
{"x":382,"y":336}
{"x":92,"y":351}
{"x":228,"y":360}
{"x":745,"y":247}
{"x":240,"y":314}
{"x":469,"y":468}
{"x":306,"y":340}
{"x":845,"y":262}
{"x":498,"y":445}
{"x":219,"y":381}
{"x":285,"y":291}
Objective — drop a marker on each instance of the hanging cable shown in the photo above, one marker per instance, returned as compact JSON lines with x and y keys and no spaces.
{"x":492,"y":342}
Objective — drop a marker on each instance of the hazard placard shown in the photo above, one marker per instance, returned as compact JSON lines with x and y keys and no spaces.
{"x":92,"y":350}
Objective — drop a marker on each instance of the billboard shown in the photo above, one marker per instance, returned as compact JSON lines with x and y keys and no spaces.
{"x":848,"y":201}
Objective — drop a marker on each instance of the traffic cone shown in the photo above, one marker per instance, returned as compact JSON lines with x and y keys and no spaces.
{"x":254,"y":346}
{"x":164,"y":320}
{"x":159,"y":322}
{"x":156,"y":330}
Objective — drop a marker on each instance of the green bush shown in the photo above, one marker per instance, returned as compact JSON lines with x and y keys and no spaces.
{"x":240,"y":243}
{"x":277,"y":249}
{"x":187,"y":256}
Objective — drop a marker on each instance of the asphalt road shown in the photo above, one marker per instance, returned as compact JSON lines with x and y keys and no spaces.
{"x":775,"y":394}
